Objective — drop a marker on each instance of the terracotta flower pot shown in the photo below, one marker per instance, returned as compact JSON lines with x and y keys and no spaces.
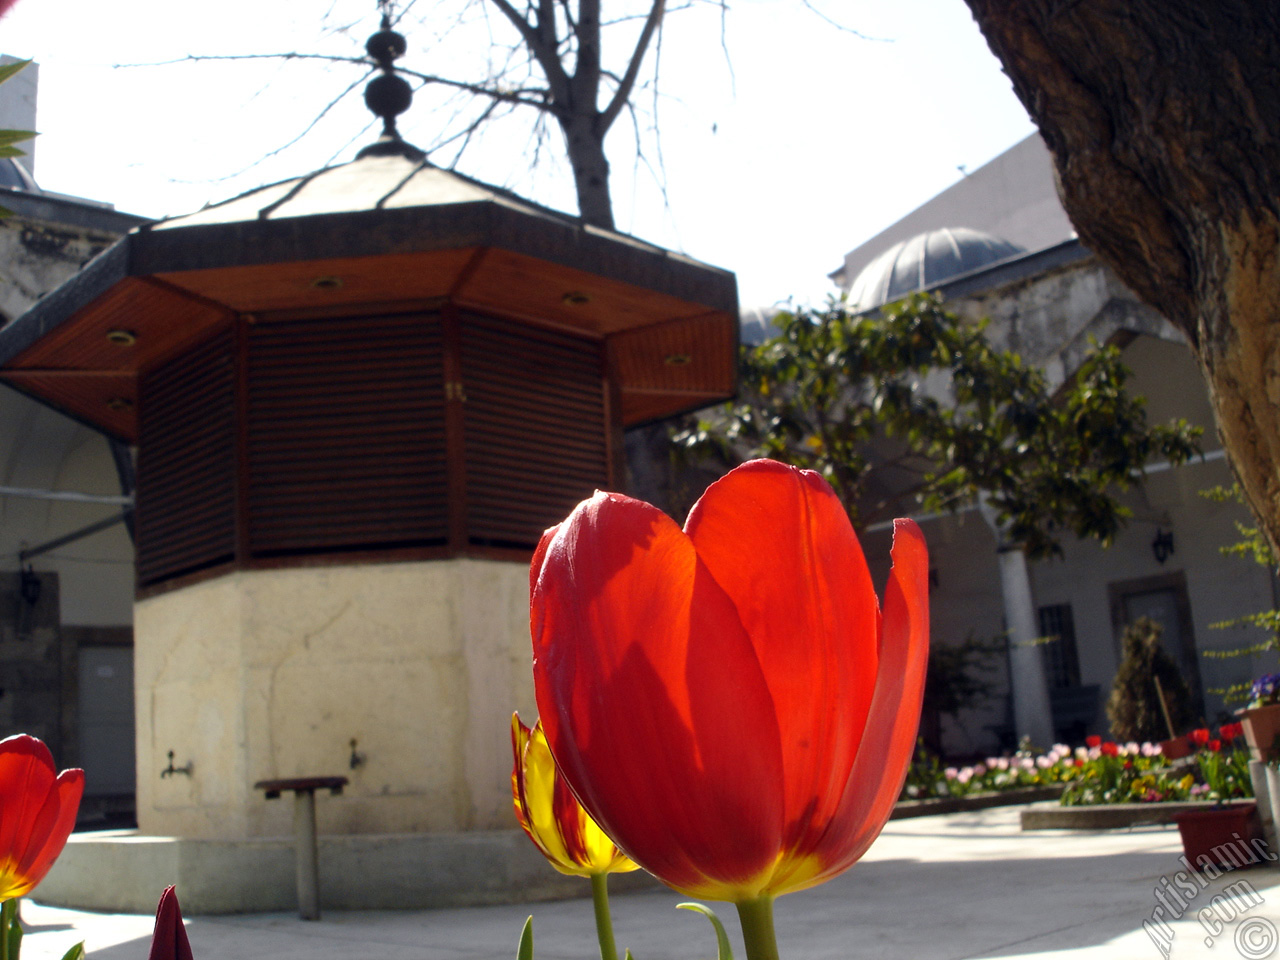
{"x":1261,"y":730}
{"x":1220,"y":835}
{"x":1175,"y":749}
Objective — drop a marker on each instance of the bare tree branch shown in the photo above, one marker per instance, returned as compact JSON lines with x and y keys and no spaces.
{"x":543,"y":47}
{"x":202,"y":57}
{"x":623,"y":93}
{"x":515,"y":96}
{"x":809,"y":5}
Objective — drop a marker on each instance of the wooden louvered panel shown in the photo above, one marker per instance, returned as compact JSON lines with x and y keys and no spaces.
{"x":346,"y":443}
{"x":534,"y":426}
{"x":186,"y":464}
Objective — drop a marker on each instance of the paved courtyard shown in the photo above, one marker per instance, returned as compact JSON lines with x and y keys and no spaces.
{"x":953,"y":887}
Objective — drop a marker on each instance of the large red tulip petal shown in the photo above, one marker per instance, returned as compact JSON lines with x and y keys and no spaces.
{"x":27,"y":774}
{"x":52,"y":825}
{"x":653,"y":701}
{"x":37,"y":812}
{"x":539,"y":556}
{"x":779,"y":542}
{"x":876,"y":779}
{"x":169,"y":941}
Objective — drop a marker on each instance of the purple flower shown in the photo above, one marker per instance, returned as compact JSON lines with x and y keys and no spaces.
{"x":1266,"y":689}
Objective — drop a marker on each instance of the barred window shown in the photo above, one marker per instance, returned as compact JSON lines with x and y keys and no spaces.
{"x":1062,"y":664}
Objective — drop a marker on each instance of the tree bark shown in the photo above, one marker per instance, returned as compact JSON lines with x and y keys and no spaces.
{"x":1163,"y":118}
{"x":585,"y":148}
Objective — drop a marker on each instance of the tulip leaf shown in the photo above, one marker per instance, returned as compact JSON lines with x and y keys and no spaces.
{"x":9,"y":69}
{"x":525,"y":950}
{"x":723,"y":950}
{"x":10,"y":137}
{"x":75,"y":953}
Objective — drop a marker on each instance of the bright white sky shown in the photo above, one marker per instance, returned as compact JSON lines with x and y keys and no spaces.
{"x":816,"y":141}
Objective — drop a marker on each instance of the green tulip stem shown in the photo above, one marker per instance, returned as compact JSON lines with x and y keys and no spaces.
{"x":604,"y":924}
{"x":8,"y":920}
{"x":756,"y":917}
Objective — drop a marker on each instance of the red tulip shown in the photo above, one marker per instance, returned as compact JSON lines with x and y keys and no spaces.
{"x":37,"y":811}
{"x":727,"y":701}
{"x":1215,"y":745}
{"x":1199,"y":736}
{"x":1094,"y":741}
{"x":1110,"y":750}
{"x":1229,"y":731}
{"x":169,"y":941}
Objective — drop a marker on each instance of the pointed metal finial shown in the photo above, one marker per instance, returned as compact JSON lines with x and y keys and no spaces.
{"x":388,"y":95}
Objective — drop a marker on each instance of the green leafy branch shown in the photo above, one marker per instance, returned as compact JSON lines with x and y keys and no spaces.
{"x":914,"y":408}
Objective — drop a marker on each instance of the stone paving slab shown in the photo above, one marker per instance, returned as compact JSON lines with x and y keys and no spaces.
{"x":958,"y":887}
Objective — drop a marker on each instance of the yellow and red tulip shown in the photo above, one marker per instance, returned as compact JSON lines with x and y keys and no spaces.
{"x":37,"y":811}
{"x":551,"y":815}
{"x":728,"y":701}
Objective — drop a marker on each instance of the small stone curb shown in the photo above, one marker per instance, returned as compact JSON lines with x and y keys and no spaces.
{"x":1105,"y":816}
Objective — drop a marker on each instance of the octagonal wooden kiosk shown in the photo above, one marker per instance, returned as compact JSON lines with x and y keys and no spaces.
{"x":358,"y":398}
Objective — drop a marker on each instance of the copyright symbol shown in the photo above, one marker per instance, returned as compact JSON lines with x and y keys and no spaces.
{"x":1256,"y":938}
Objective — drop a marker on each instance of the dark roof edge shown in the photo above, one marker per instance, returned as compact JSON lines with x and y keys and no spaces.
{"x":481,"y":223}
{"x":89,"y":216}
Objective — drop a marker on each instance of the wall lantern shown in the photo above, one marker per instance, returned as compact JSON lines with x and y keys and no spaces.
{"x":1162,"y":545}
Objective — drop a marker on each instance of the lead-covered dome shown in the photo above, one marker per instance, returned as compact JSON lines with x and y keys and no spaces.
{"x":925,"y":261}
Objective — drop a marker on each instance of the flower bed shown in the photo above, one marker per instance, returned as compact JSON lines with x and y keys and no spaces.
{"x":1099,"y":773}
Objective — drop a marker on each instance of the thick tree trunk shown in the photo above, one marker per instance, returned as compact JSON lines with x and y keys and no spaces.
{"x":590,"y":169}
{"x":1163,"y":118}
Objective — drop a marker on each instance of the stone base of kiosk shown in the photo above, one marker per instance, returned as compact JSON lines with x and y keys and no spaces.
{"x":122,"y":871}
